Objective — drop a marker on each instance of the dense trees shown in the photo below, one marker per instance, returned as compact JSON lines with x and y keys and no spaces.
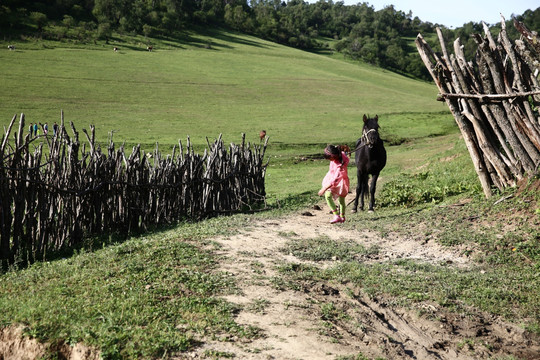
{"x":384,"y":38}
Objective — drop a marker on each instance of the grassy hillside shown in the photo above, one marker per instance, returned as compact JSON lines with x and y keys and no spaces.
{"x":157,"y":294}
{"x":217,"y":83}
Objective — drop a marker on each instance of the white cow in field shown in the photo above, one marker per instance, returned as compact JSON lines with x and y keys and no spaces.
{"x":11,"y":47}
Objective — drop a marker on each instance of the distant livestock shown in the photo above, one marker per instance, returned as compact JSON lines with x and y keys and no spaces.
{"x":11,"y":47}
{"x":115,"y":49}
{"x":149,"y":48}
{"x":262,"y":134}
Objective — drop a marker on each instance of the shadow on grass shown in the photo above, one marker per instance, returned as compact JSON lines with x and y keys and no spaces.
{"x":294,"y":202}
{"x":93,"y":243}
{"x":386,"y":213}
{"x":182,"y":39}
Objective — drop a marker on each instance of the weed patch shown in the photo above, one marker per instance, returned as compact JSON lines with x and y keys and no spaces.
{"x":324,"y":249}
{"x":431,"y":186}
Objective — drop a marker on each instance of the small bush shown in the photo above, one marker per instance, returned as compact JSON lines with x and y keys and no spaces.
{"x":432,"y":186}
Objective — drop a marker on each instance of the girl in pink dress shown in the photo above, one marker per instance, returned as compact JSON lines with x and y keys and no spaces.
{"x":335,"y":184}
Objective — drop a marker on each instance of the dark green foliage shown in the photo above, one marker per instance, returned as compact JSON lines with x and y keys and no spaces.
{"x":432,"y":186}
{"x":410,"y":190}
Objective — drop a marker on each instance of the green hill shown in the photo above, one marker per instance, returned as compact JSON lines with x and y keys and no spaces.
{"x":216,"y":83}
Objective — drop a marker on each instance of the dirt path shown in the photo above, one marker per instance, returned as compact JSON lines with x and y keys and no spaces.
{"x":293,"y":324}
{"x":291,"y":321}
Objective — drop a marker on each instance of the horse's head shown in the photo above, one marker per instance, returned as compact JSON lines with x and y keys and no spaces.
{"x":370,"y":131}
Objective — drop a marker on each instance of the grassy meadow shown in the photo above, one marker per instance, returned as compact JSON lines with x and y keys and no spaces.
{"x":239,"y":85}
{"x":121,"y":296}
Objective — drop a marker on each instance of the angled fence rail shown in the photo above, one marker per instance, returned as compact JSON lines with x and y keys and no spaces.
{"x":55,"y":191}
{"x":494,"y":100}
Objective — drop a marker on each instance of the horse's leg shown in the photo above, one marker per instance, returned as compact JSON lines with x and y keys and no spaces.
{"x":358,"y":191}
{"x":363,"y":183}
{"x":372,"y":188}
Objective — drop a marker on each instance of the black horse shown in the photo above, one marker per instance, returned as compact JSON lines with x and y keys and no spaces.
{"x":370,"y":157}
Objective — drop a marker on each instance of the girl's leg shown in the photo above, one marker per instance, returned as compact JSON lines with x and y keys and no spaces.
{"x":330,"y":202}
{"x":342,"y":205}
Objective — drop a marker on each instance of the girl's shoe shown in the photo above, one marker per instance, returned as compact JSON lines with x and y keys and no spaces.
{"x":336,"y":219}
{"x":342,"y":219}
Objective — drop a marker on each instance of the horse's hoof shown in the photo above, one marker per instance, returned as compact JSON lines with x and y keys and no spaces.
{"x":371,"y":211}
{"x":353,"y":211}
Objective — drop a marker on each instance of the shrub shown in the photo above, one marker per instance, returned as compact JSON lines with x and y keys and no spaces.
{"x":433,"y":186}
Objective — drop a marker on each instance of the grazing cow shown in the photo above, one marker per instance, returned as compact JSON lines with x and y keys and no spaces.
{"x":370,"y":158}
{"x":11,"y":47}
{"x":149,"y":48}
{"x":262,"y":134}
{"x":115,"y":49}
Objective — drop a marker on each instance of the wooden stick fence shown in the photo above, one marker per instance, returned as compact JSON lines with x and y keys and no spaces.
{"x":50,"y":200}
{"x":493,"y":101}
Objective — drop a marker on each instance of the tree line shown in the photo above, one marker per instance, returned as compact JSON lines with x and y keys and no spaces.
{"x":384,"y":38}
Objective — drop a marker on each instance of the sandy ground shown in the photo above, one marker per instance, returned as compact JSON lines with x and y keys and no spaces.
{"x":13,"y":346}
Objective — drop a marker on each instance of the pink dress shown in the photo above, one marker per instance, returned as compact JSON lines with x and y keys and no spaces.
{"x":337,"y":177}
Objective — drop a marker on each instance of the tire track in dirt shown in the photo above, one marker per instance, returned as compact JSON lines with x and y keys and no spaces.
{"x":291,"y":322}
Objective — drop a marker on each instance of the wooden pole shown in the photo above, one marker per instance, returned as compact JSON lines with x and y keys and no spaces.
{"x":466,"y":129}
{"x":490,"y":103}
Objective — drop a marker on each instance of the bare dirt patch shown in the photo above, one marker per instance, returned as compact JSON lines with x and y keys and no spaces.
{"x":15,"y":346}
{"x":294,"y":326}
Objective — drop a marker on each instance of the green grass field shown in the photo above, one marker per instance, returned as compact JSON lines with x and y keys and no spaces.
{"x":113,"y":296}
{"x":240,"y":85}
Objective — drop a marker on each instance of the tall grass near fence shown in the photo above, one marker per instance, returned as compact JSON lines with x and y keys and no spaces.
{"x":64,"y":189}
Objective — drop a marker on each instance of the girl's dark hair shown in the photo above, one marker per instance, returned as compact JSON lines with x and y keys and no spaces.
{"x":332,"y":151}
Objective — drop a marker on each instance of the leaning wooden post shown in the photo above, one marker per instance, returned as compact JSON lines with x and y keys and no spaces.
{"x":467,"y":132}
{"x":528,"y":121}
{"x":530,"y":155}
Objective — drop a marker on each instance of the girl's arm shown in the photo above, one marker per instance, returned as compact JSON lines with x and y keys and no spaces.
{"x":323,"y":190}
